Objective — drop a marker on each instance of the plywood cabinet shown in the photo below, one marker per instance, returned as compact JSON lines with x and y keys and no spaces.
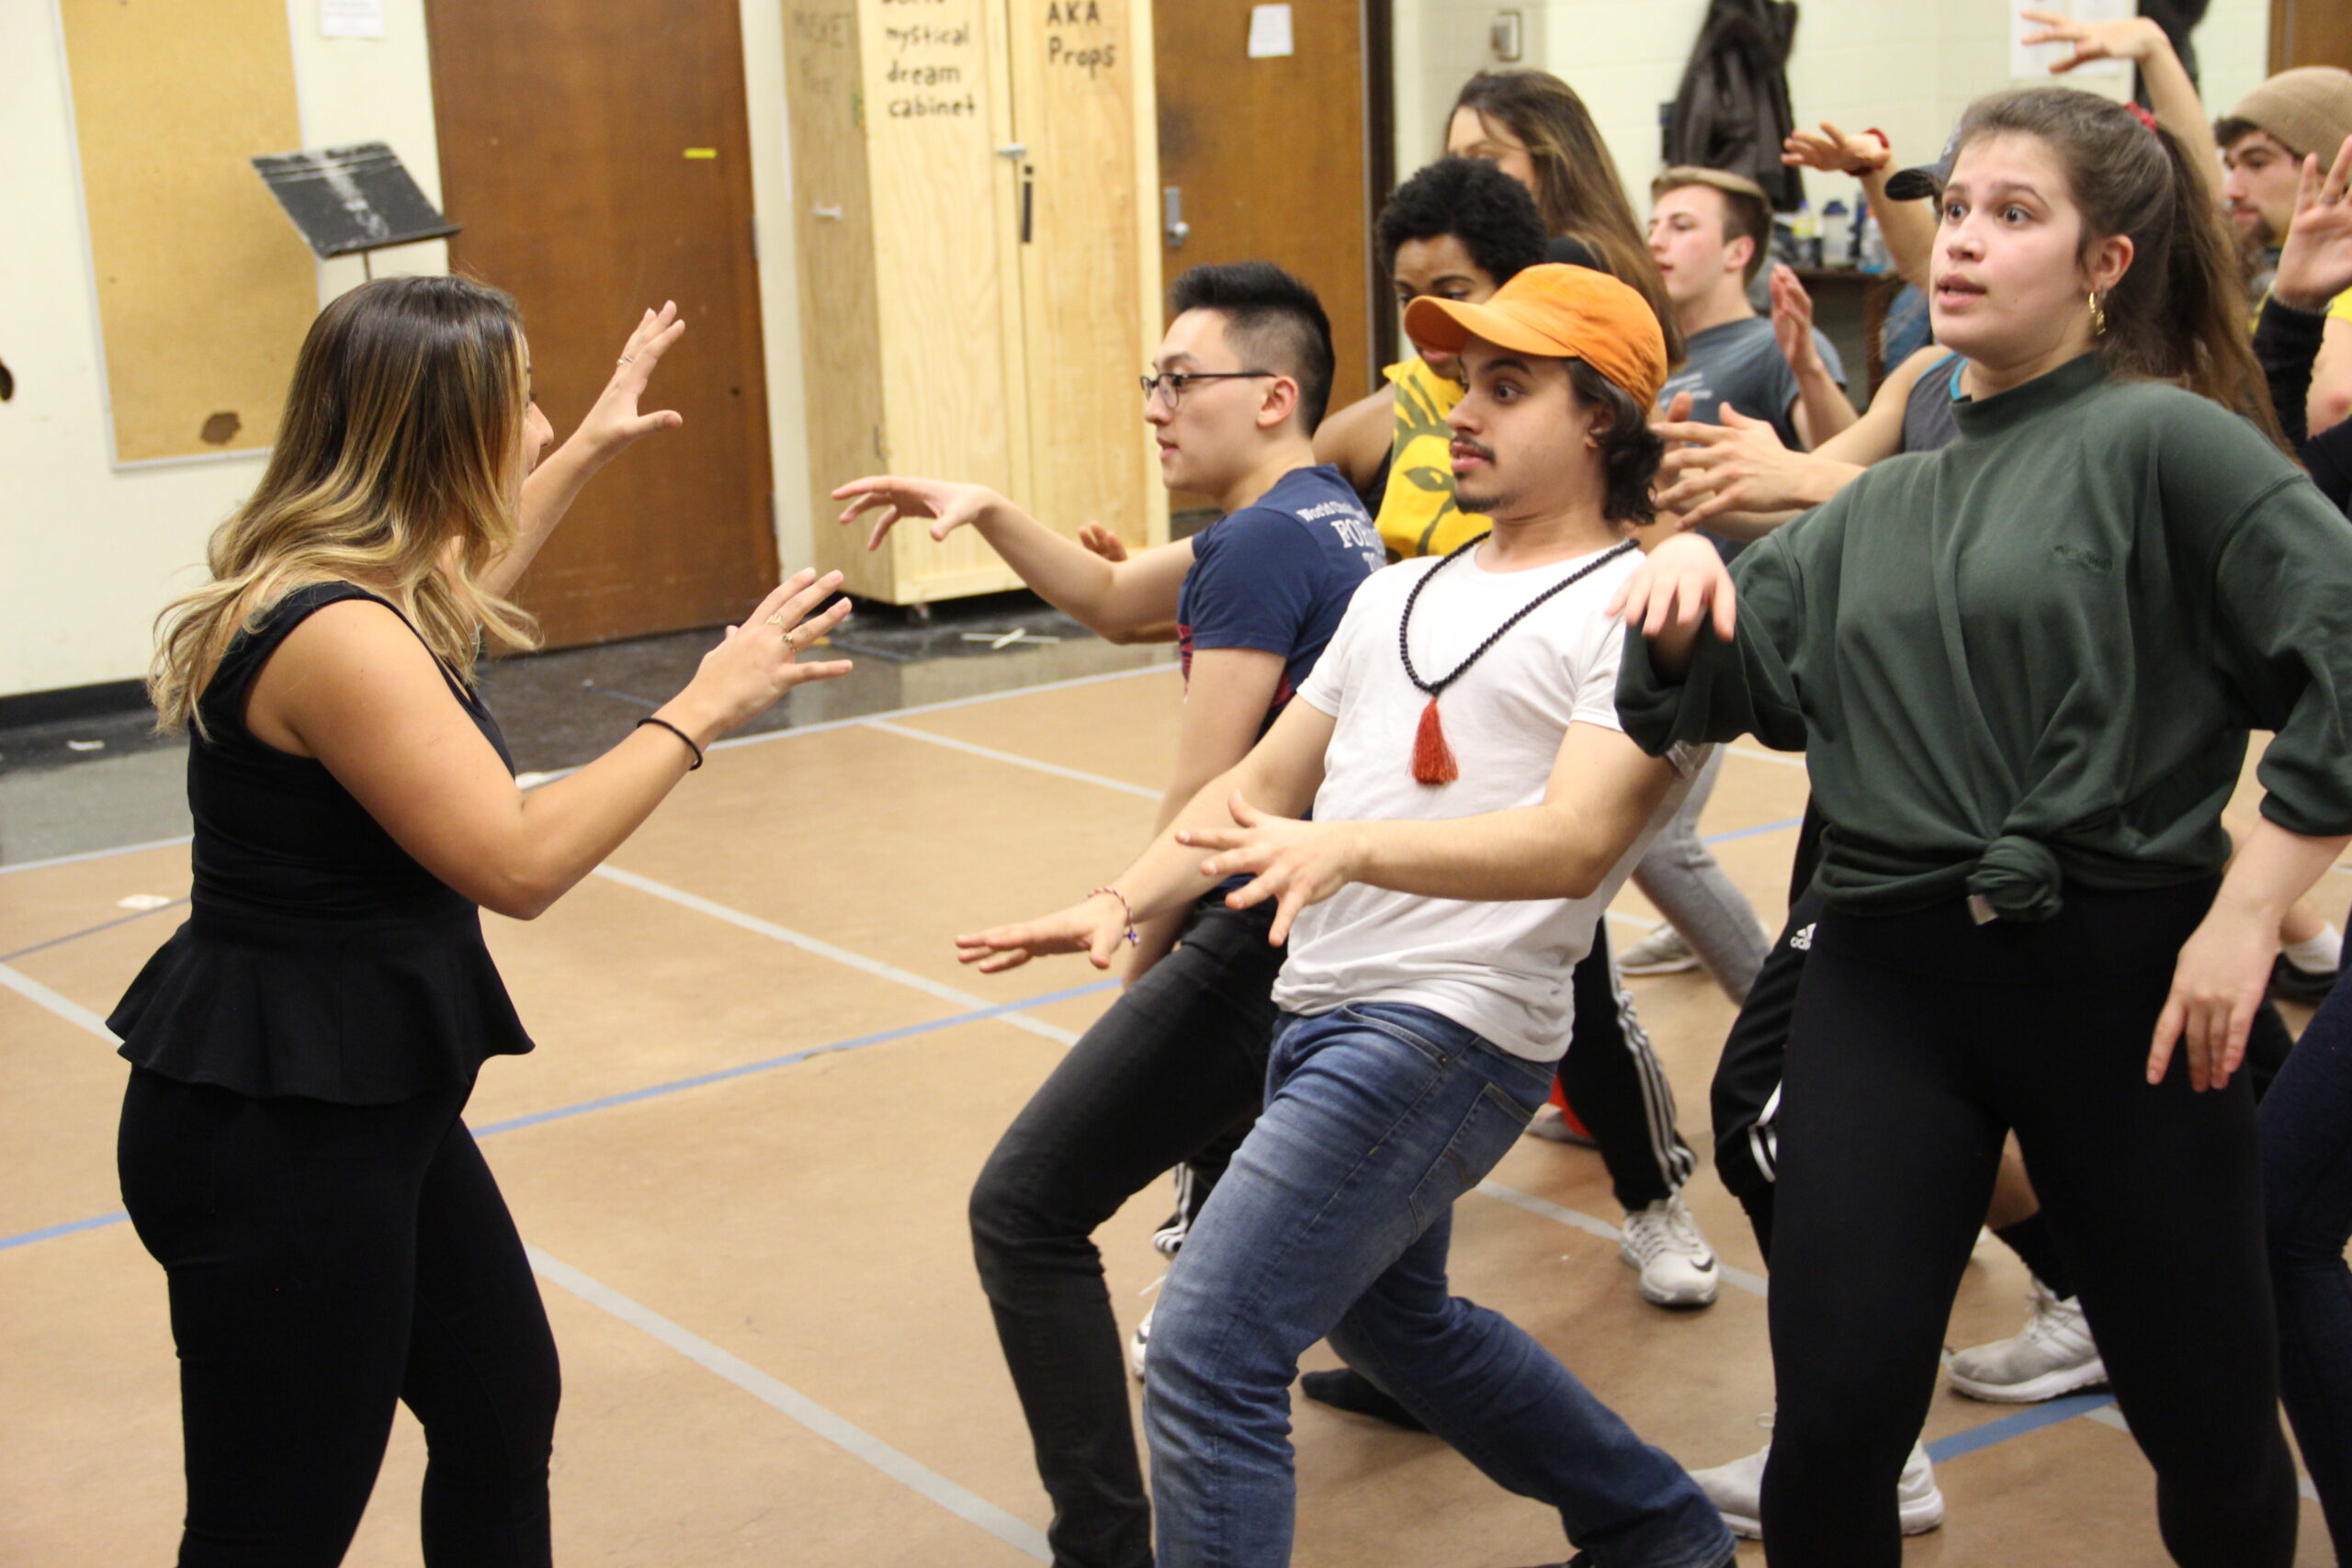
{"x":979,"y":268}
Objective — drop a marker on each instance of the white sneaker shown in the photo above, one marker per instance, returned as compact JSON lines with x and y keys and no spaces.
{"x":1677,"y":1265}
{"x":1136,"y":1344}
{"x":2053,"y":1355}
{"x":1663,"y":951}
{"x":1736,"y":1490}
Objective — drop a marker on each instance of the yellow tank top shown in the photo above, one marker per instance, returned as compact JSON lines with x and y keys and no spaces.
{"x":1417,"y":515}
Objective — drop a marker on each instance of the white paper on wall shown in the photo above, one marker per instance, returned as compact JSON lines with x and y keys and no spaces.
{"x":1269,"y":32}
{"x":351,"y":18}
{"x":2037,"y":60}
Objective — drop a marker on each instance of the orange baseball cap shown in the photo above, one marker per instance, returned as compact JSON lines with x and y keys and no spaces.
{"x":1560,"y":312}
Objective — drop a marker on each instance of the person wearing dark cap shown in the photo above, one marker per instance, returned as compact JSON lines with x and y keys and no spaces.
{"x":1475,"y":805}
{"x":2296,"y":115}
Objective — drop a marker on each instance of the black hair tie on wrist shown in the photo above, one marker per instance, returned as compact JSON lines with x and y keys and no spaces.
{"x":681,"y":734}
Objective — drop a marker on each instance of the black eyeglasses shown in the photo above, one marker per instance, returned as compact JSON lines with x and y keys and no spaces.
{"x":1171,"y":384}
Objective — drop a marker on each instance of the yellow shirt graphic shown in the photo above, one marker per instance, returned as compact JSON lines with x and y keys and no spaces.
{"x":1417,"y":515}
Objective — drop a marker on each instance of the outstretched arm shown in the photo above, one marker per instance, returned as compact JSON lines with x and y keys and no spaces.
{"x":1119,"y":601}
{"x":1280,"y":773}
{"x":2172,"y":96}
{"x":1908,"y":227}
{"x":612,"y":426}
{"x":1602,"y":793}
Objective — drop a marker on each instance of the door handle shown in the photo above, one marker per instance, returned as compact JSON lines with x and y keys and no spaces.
{"x":1171,"y":216}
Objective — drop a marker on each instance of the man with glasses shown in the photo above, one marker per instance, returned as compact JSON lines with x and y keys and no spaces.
{"x":1175,"y":1071}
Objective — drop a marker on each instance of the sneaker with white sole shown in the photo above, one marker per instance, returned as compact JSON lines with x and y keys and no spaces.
{"x":1737,"y":1489}
{"x":2053,"y":1354}
{"x":1663,"y":951}
{"x":1677,"y":1266}
{"x":1137,"y":1343}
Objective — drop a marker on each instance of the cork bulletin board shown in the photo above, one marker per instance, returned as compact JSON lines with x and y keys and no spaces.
{"x":204,"y":289}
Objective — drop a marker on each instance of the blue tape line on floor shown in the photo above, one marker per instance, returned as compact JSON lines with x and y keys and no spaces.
{"x":655,"y":1091}
{"x":1960,"y":1444}
{"x":1751,"y":833}
{"x":90,"y":930}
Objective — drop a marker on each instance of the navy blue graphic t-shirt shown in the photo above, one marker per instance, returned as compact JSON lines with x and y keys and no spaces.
{"x":1276,"y":575}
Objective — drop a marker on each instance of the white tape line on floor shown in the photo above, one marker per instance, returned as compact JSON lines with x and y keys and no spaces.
{"x":843,"y":1434}
{"x":822,"y":949}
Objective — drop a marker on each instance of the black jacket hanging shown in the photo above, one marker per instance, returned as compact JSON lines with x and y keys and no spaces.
{"x":1732,"y":111}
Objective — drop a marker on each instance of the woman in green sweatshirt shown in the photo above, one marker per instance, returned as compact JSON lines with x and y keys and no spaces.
{"x":2023,"y":670}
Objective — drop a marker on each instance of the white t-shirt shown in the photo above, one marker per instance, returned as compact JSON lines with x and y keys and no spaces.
{"x":1501,"y":969}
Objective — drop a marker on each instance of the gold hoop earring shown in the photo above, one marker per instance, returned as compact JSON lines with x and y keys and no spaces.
{"x":2098,"y":315}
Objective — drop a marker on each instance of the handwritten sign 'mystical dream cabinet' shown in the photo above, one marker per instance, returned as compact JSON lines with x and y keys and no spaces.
{"x":980,"y":266}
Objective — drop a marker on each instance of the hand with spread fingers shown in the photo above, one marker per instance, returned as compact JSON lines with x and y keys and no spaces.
{"x":950,"y":505}
{"x":613,"y":423}
{"x":760,"y":661}
{"x":2315,"y":265}
{"x":1294,"y":863}
{"x":1740,"y":470}
{"x":1097,"y":927}
{"x":1103,"y":541}
{"x":1836,"y":151}
{"x":2128,"y":38}
{"x":1677,"y":586}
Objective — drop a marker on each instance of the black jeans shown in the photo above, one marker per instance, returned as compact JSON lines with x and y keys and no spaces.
{"x":1920,"y":1040}
{"x":1176,"y":1067}
{"x":324,"y":1262}
{"x":2307,"y":1186}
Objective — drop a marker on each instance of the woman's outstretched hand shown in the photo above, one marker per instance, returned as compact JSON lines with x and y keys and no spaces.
{"x":613,"y":423}
{"x":760,"y":661}
{"x":1677,"y":587}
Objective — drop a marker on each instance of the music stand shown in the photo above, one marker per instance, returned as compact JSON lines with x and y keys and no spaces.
{"x":351,"y":201}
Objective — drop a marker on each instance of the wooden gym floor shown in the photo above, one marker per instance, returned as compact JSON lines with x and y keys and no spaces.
{"x":740,"y":1154}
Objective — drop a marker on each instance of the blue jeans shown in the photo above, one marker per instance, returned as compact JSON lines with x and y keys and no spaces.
{"x":1332,"y":1221}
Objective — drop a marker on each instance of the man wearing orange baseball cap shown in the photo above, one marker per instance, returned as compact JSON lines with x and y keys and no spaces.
{"x":1453,"y":873}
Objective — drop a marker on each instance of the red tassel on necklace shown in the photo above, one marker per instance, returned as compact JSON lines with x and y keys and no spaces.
{"x":1432,"y":758}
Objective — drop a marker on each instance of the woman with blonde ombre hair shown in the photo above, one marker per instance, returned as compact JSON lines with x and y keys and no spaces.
{"x":291,"y":1149}
{"x":1534,"y":127}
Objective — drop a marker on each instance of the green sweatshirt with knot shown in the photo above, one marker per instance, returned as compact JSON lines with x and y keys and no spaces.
{"x":2035,"y":654}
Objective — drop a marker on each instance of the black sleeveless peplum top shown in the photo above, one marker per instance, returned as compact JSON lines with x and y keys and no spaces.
{"x":318,"y":958}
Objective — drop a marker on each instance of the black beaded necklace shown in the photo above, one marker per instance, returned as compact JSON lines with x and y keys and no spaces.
{"x":1433,"y":760}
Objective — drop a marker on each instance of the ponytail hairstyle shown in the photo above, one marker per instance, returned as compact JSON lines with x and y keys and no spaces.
{"x":1576,"y":189}
{"x":397,"y":464}
{"x":2177,"y":313}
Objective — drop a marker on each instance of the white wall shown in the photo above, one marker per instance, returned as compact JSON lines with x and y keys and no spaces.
{"x":87,"y":553}
{"x":1905,"y":66}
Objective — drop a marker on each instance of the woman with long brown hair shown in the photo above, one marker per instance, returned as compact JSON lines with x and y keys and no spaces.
{"x":291,"y":1148}
{"x":1534,"y":127}
{"x":2023,"y":670}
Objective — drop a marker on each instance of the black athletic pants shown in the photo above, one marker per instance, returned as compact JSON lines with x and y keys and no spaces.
{"x":1921,"y":1040}
{"x":325,"y":1262}
{"x":1176,"y":1067}
{"x":1615,"y":1084}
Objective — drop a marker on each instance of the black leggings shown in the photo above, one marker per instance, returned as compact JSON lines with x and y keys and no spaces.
{"x":1919,"y":1042}
{"x":325,"y":1261}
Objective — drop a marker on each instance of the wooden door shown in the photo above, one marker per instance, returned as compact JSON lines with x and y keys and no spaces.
{"x":2309,"y":32}
{"x":1087,"y":261}
{"x":598,"y":158}
{"x":1271,"y":156}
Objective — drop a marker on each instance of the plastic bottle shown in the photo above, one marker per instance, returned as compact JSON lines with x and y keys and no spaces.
{"x":1872,"y":243}
{"x":1837,"y":235}
{"x":1805,"y":230}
